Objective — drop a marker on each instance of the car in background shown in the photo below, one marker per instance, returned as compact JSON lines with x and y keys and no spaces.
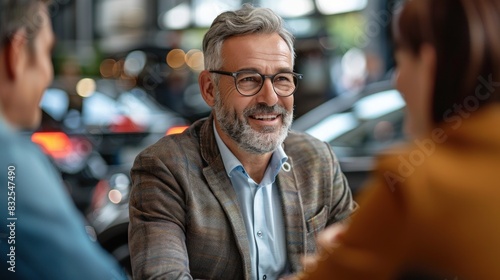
{"x":105,"y":133}
{"x":358,"y":127}
{"x":124,"y":124}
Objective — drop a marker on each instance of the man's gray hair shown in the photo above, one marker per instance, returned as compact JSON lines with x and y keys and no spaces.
{"x":247,"y":20}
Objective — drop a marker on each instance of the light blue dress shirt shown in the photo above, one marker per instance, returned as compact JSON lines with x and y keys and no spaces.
{"x":47,"y":239}
{"x":262,"y":211}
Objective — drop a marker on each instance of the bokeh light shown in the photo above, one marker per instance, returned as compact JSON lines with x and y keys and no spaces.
{"x":176,"y":58}
{"x":85,"y":87}
{"x":106,"y":68}
{"x":194,"y":59}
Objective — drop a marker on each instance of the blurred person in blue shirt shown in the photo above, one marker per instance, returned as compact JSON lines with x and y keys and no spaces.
{"x":42,"y":235}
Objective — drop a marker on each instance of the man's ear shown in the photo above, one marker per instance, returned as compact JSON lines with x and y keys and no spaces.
{"x":207,"y":87}
{"x":16,"y":54}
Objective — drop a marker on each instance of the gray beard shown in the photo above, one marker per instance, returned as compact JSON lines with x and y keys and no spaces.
{"x":248,"y":139}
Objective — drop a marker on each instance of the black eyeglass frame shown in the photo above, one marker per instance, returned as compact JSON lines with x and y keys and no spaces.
{"x":297,"y":77}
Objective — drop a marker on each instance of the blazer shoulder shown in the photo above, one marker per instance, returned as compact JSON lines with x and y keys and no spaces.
{"x":297,"y":142}
{"x":179,"y":145}
{"x":298,"y":136}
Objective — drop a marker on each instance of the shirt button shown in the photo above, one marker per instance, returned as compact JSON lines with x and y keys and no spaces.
{"x":264,"y":277}
{"x":259,"y":234}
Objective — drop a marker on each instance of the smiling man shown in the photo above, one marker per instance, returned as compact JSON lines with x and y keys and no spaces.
{"x":237,"y":195}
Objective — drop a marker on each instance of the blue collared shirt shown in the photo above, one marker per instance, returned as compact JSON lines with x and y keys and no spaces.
{"x":261,"y":209}
{"x":48,"y":228}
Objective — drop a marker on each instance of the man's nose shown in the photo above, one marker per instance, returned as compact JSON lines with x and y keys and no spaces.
{"x":267,"y":94}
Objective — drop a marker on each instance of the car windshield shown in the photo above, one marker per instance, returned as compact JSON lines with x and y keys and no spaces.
{"x":371,"y":124}
{"x":334,"y":126}
{"x":378,"y":105}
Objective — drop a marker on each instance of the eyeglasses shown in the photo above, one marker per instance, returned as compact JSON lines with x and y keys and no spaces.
{"x":249,"y":83}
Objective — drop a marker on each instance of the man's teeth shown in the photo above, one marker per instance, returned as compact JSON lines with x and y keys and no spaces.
{"x":265,"y":117}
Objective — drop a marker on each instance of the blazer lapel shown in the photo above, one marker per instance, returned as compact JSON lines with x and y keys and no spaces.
{"x":221,"y":186}
{"x":294,"y":217}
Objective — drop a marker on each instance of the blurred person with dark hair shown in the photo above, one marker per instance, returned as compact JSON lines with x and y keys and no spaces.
{"x":42,"y":236}
{"x":433,"y":205}
{"x":236,"y":196}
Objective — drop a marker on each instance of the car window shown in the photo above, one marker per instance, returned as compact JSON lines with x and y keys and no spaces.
{"x":380,"y":124}
{"x":379,"y":104}
{"x":334,"y":126}
{"x":371,"y":124}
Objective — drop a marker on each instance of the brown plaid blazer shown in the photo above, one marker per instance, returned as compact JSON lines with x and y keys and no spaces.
{"x":185,"y":220}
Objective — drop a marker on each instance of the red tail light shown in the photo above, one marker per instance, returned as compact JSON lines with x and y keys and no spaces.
{"x":56,"y":144}
{"x":176,"y":130}
{"x":68,"y":152}
{"x":124,"y":124}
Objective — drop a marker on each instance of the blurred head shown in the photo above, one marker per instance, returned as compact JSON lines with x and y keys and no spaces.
{"x":446,"y":51}
{"x":248,"y":39}
{"x":25,"y":60}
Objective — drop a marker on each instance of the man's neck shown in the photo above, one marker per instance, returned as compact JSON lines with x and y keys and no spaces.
{"x":254,"y":164}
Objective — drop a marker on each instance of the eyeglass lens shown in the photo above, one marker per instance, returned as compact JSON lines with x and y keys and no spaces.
{"x":249,"y":83}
